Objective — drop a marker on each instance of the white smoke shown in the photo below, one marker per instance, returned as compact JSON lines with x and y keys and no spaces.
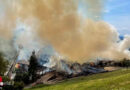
{"x":125,"y":45}
{"x":25,"y":36}
{"x":7,"y":48}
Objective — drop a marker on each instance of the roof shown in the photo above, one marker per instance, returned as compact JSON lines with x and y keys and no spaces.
{"x":23,"y":62}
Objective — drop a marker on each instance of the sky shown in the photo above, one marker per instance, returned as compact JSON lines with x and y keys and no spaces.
{"x":117,"y":13}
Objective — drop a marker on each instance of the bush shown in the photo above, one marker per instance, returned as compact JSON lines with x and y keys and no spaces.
{"x":7,"y":83}
{"x":8,"y":87}
{"x":24,"y":77}
{"x":18,"y":85}
{"x":5,"y":78}
{"x":18,"y":77}
{"x":125,"y":63}
{"x":3,"y":64}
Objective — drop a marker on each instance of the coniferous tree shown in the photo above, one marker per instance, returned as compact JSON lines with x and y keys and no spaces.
{"x":33,"y":64}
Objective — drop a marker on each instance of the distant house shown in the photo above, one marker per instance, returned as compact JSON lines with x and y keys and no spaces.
{"x":21,"y":66}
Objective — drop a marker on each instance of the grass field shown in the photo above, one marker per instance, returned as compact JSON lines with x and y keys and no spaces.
{"x":117,"y":80}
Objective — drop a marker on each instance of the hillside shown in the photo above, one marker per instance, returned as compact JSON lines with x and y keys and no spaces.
{"x":117,"y":80}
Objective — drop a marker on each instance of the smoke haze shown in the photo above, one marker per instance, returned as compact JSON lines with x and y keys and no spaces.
{"x":58,"y":23}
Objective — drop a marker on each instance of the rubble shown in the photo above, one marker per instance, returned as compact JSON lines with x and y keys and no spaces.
{"x":51,"y":77}
{"x":54,"y":76}
{"x":63,"y":70}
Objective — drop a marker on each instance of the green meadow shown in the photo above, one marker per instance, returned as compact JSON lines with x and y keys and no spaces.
{"x":116,"y":80}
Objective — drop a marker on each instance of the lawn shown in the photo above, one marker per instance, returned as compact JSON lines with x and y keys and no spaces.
{"x":117,"y":80}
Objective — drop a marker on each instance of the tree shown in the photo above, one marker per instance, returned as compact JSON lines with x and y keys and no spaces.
{"x":33,"y":65}
{"x":3,"y":65}
{"x":22,"y":77}
{"x":125,"y":63}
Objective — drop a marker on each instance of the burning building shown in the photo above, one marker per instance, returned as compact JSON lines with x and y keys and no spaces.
{"x":64,"y":40}
{"x":22,"y":65}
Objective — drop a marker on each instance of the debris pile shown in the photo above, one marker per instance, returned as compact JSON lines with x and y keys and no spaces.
{"x":54,"y":76}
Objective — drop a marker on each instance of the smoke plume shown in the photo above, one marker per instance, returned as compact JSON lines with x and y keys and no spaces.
{"x":75,"y":38}
{"x":7,"y":19}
